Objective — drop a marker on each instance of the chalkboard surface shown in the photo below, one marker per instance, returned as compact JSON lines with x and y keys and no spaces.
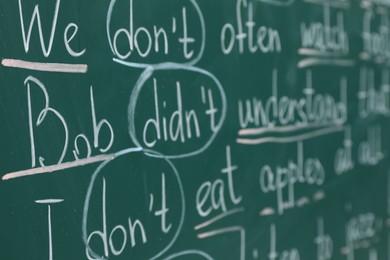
{"x":194,"y":129}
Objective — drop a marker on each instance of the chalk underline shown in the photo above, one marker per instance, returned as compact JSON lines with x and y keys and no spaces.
{"x":218,"y":217}
{"x":289,"y":139}
{"x":287,"y":128}
{"x":44,"y":66}
{"x":308,"y":62}
{"x":324,"y":54}
{"x":49,"y":201}
{"x":58,"y":167}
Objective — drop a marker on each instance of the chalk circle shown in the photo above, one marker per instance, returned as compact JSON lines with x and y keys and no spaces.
{"x":126,"y":166}
{"x":144,"y":77}
{"x":124,"y":60}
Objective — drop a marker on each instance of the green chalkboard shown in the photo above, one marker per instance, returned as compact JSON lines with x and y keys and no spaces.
{"x":194,"y":129}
